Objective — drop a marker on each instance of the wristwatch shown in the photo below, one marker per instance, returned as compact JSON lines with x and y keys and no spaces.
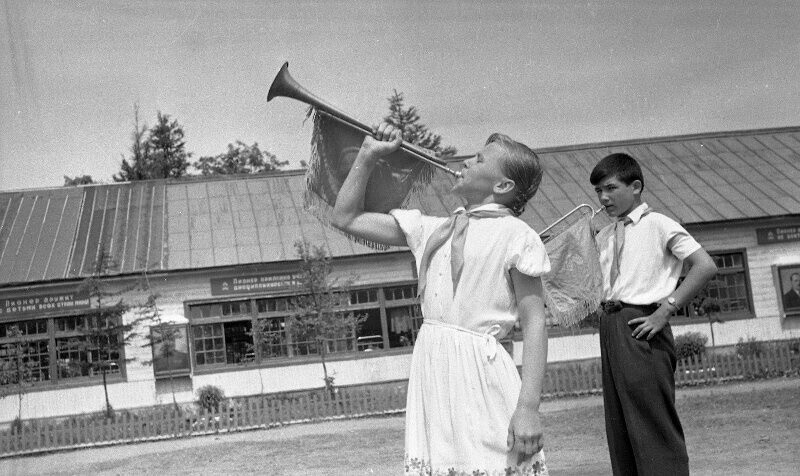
{"x":672,"y":302}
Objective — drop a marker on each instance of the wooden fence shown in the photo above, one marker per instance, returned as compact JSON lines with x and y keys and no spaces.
{"x":772,"y":359}
{"x":266,"y":411}
{"x":165,"y":422}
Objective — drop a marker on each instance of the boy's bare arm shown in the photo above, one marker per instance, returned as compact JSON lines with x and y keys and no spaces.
{"x":525,"y":433}
{"x":701,"y":269}
{"x":348,"y":212}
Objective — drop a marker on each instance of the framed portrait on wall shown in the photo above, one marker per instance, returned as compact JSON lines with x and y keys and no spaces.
{"x":170,"y":347}
{"x":788,"y":287}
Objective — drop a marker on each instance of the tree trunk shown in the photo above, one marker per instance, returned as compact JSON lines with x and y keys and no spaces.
{"x":328,"y":382}
{"x":711,"y":325}
{"x":172,"y":389}
{"x":105,"y":389}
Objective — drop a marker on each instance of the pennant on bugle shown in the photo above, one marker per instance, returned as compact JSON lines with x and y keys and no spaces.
{"x":334,"y":146}
{"x":574,"y":288}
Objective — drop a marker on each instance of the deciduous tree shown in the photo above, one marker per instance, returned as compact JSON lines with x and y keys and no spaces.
{"x":77,"y":180}
{"x":319,"y":320}
{"x":105,"y":330}
{"x":17,"y":370}
{"x":239,"y":159}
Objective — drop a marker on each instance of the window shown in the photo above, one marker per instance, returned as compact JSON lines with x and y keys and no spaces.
{"x":273,"y":337}
{"x":81,"y":352}
{"x":403,"y":315}
{"x":729,"y":289}
{"x":262,"y":329}
{"x":363,"y":296}
{"x":730,"y":286}
{"x":220,"y":335}
{"x":24,"y":352}
{"x":209,"y":344}
{"x":57,"y":350}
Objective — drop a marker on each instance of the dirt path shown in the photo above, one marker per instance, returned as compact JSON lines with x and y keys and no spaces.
{"x":744,"y":428}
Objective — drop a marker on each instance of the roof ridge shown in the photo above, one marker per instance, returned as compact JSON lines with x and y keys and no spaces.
{"x":672,"y":138}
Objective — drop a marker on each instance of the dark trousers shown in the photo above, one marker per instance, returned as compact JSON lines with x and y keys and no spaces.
{"x":644,"y":433}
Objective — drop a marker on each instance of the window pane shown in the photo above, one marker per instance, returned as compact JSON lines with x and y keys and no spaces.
{"x":207,"y":349}
{"x":363,"y":296}
{"x":370,"y":333}
{"x":402,"y":325}
{"x":27,"y":361}
{"x":271,"y":336}
{"x":401,"y":292}
{"x":238,"y":342}
{"x":727,"y":290}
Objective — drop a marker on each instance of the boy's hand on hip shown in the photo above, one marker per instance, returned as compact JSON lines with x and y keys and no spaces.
{"x":525,"y":434}
{"x":649,"y":326}
{"x":385,"y":139}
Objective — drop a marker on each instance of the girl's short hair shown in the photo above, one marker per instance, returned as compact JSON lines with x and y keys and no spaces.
{"x":620,"y":165}
{"x":521,"y":165}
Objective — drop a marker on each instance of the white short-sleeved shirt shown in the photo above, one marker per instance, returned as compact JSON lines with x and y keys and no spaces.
{"x":651,"y":259}
{"x":493,"y":246}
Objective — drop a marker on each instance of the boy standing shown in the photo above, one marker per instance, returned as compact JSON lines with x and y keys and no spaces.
{"x":641,"y":257}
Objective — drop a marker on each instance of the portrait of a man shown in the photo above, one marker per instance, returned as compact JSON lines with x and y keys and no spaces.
{"x":788,"y":289}
{"x":791,"y":298}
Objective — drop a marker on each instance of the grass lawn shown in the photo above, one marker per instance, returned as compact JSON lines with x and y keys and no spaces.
{"x":736,"y":429}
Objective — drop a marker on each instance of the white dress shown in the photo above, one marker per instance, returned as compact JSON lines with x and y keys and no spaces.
{"x":463,"y":386}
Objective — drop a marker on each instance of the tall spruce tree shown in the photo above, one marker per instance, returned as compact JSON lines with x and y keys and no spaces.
{"x":157,"y":152}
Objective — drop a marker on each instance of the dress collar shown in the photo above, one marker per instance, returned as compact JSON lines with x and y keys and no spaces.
{"x":487,"y":206}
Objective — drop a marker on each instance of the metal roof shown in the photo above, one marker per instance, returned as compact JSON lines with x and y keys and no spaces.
{"x":160,"y":225}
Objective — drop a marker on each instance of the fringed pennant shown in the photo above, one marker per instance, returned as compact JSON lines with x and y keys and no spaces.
{"x":334,"y":146}
{"x":574,"y":288}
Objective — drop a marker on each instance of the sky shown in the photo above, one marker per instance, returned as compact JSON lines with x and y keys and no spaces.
{"x":546,"y":73}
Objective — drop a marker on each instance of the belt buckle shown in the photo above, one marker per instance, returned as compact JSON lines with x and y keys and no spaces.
{"x":610,"y":307}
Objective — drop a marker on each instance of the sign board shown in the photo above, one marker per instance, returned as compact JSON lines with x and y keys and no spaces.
{"x":778,"y":234}
{"x":258,"y":283}
{"x":35,"y":304}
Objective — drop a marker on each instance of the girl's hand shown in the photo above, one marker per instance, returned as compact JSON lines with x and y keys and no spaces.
{"x":525,"y":434}
{"x":386,"y":140}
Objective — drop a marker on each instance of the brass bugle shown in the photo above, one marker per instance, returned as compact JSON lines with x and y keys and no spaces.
{"x":284,"y":85}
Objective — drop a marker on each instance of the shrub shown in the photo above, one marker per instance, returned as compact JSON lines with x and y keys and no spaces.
{"x":690,"y":344}
{"x":209,"y":397}
{"x":749,"y":348}
{"x":16,"y":426}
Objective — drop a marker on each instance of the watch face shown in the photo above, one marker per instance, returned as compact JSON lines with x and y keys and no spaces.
{"x":671,"y":300}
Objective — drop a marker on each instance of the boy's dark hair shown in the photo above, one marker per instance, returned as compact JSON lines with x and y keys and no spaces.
{"x":621,"y":165}
{"x":521,"y":165}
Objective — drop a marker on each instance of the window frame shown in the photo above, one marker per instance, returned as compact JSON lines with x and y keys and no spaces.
{"x":685,"y":315}
{"x":380,"y":303}
{"x":52,"y":336}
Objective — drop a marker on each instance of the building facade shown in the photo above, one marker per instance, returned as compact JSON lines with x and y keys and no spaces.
{"x":220,"y":256}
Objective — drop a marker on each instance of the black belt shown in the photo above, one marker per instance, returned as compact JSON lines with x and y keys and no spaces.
{"x":610,"y":307}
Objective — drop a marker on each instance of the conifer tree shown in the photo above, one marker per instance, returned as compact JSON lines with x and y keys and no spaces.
{"x":407,"y":119}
